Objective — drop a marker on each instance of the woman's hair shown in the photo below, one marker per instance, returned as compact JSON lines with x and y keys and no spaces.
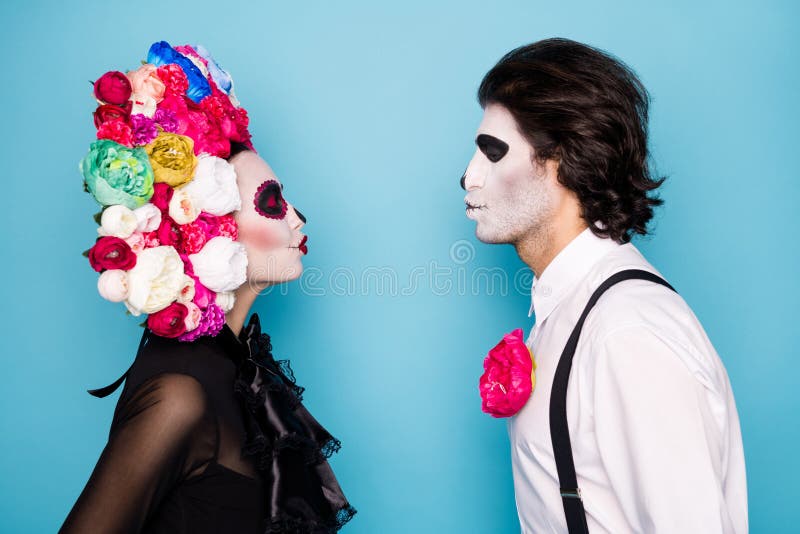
{"x":587,"y":110}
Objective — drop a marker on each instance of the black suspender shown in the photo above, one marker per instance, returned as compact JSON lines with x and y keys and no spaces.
{"x":559,"y":429}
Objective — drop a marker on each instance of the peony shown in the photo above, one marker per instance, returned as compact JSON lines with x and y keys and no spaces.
{"x":111,"y":253}
{"x":193,"y":317}
{"x":182,"y":207}
{"x":143,"y":105}
{"x":221,"y":265}
{"x":174,"y":79}
{"x":168,"y":232}
{"x":161,"y":53}
{"x":148,"y":218}
{"x":113,"y":88}
{"x":169,"y":322}
{"x":155,"y":281}
{"x":213,"y":188}
{"x":136,"y":241}
{"x":113,"y":285}
{"x":508,"y":379}
{"x":187,"y":290}
{"x":172,"y":157}
{"x":193,"y":237}
{"x":162,"y":194}
{"x":115,"y":174}
{"x":146,"y":83}
{"x":118,"y":221}
{"x":225,"y":300}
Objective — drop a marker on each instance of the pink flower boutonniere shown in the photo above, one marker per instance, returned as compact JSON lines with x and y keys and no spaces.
{"x":508,"y":378}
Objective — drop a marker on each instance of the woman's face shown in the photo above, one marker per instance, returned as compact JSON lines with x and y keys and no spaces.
{"x":269,"y":226}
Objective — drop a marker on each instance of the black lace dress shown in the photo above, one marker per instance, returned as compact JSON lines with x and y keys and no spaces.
{"x":211,"y":437}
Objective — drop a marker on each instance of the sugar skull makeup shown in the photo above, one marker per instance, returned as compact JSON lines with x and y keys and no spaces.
{"x":507,"y":192}
{"x":269,"y":200}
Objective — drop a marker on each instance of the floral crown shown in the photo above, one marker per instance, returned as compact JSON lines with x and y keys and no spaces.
{"x":167,"y":240}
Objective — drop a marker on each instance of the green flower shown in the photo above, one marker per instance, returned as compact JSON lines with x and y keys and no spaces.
{"x":116,"y":174}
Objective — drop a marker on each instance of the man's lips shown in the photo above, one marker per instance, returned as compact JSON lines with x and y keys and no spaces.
{"x":473,"y":206}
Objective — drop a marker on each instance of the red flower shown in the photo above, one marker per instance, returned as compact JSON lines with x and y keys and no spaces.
{"x":168,"y":232}
{"x":228,"y":227}
{"x":169,"y":322}
{"x":193,"y":237}
{"x":508,"y":379}
{"x":111,"y":253}
{"x":174,"y":79}
{"x":117,"y":131}
{"x":162,"y":194}
{"x":113,"y":87}
{"x":109,"y":112}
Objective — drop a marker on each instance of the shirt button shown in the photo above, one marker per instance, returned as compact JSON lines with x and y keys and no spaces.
{"x":546,"y":291}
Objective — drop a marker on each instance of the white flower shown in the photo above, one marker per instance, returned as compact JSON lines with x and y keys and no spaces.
{"x":144,"y":104}
{"x":192,"y":320}
{"x":182,"y":207}
{"x":225,"y":300}
{"x":213,"y":188}
{"x":221,"y":265}
{"x":136,"y":242}
{"x":155,"y":281}
{"x":113,"y":285}
{"x":148,"y":218}
{"x":118,"y":221}
{"x":187,"y":290}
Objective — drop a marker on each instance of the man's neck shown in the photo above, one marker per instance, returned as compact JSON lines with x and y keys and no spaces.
{"x":540,"y":247}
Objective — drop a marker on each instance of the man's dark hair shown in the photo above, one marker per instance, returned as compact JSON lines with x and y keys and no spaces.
{"x":588,"y":111}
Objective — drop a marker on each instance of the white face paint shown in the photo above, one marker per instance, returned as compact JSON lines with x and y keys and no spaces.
{"x":509,"y":196}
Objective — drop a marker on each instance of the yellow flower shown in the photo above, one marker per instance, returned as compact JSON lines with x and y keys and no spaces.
{"x":172,"y":158}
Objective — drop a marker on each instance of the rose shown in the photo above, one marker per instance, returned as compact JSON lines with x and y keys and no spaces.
{"x":115,"y":174}
{"x":168,"y":232}
{"x":155,"y":281}
{"x":146,"y":83}
{"x":116,"y":130}
{"x":202,"y":295}
{"x":508,"y":379}
{"x":213,"y":188}
{"x":113,"y":88}
{"x":172,"y":157}
{"x":111,"y":253}
{"x":221,"y":265}
{"x":118,"y":221}
{"x":109,"y":112}
{"x":169,"y":322}
{"x":113,"y":285}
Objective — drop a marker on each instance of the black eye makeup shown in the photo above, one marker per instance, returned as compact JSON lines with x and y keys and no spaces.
{"x":269,"y":200}
{"x":492,"y":147}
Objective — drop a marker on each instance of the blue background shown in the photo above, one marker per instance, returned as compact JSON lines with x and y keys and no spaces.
{"x":367,"y":113}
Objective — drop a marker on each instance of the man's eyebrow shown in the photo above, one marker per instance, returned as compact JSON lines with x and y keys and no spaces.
{"x":489,"y":142}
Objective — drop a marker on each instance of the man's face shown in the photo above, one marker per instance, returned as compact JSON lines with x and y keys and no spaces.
{"x":509,"y":195}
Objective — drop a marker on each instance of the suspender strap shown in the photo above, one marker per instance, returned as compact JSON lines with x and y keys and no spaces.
{"x":559,"y":429}
{"x":111,"y":388}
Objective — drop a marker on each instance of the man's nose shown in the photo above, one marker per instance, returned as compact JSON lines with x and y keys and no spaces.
{"x":474,"y":175}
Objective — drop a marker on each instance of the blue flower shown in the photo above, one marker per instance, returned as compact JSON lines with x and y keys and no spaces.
{"x":161,"y":53}
{"x":220,"y":77}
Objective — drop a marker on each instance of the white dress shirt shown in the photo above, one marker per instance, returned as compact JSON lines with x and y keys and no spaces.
{"x":654,"y":428}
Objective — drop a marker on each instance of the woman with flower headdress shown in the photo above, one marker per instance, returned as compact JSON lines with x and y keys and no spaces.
{"x":209,"y":433}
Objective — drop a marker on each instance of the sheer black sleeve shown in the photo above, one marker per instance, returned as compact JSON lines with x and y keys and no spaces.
{"x":148,"y":452}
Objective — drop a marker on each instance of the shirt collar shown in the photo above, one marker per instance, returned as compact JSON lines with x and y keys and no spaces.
{"x":568,"y":268}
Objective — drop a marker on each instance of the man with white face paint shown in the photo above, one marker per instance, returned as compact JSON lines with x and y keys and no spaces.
{"x":632,"y":425}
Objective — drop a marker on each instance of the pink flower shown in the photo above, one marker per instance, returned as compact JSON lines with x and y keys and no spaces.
{"x":113,"y":88}
{"x":144,"y":129}
{"x":193,"y":237}
{"x":508,"y":379}
{"x":169,"y":322}
{"x":117,"y":131}
{"x":211,"y":322}
{"x":162,"y":194}
{"x":145,"y":82}
{"x":228,"y":227}
{"x":174,"y":79}
{"x":167,"y":120}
